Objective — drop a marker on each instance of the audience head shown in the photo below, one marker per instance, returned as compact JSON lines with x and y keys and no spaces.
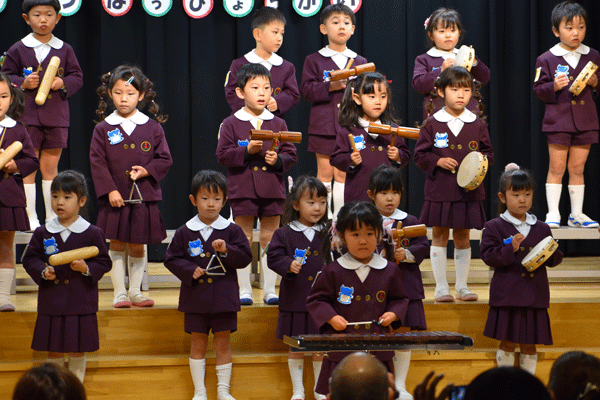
{"x":506,"y":383}
{"x":359,"y":376}
{"x":575,"y":376}
{"x":49,"y":382}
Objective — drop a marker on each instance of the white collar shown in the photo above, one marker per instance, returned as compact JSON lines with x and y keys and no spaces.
{"x":77,"y":227}
{"x":530,"y":219}
{"x":138,"y":118}
{"x":254,"y":58}
{"x":327,"y":52}
{"x":8,"y":122}
{"x":30,"y":41}
{"x":397,"y":215}
{"x":363,"y":123}
{"x":348,"y":262}
{"x":435,"y":52}
{"x":300,"y":227}
{"x":443,"y":116}
{"x":195,"y":224}
{"x":244,"y":115}
{"x":558,"y":51}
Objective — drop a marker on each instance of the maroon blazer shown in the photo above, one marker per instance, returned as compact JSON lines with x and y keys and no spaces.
{"x":210,"y":293}
{"x":71,"y":293}
{"x":428,"y":68}
{"x":373,"y":155}
{"x":566,"y":112}
{"x":110,"y":163}
{"x":55,"y":111}
{"x":324,"y":111}
{"x":249,"y":176}
{"x":283,"y":82}
{"x":12,"y":193}
{"x":512,"y":285}
{"x":440,"y":184}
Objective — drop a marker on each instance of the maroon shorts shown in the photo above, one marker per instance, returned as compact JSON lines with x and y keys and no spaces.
{"x":256,"y":207}
{"x":321,"y":144}
{"x":43,"y":137}
{"x":204,"y":323}
{"x":572,"y":138}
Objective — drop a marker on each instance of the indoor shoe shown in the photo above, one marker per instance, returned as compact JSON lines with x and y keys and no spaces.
{"x":246,"y":300}
{"x":465,"y":294}
{"x":271,"y":299}
{"x":6,"y":305}
{"x":122,"y":301}
{"x":553,"y":220}
{"x":443,"y":296}
{"x":581,"y":221}
{"x":319,"y":396}
{"x":139,"y":300}
{"x":224,"y":396}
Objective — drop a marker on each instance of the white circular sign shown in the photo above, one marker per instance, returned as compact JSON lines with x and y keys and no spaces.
{"x":307,"y":8}
{"x":69,"y":7}
{"x":3,"y":4}
{"x":238,"y":8}
{"x":157,"y":8}
{"x":198,"y":8}
{"x":272,"y":3}
{"x":353,"y":4}
{"x":117,"y":8}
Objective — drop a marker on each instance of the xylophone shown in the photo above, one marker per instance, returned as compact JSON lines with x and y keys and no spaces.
{"x":423,"y":340}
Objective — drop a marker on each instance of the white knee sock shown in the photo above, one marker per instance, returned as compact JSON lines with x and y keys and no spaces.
{"x":6,"y":278}
{"x":30,"y":195}
{"x":77,"y":366}
{"x":337,"y":193}
{"x":269,"y":276}
{"x":329,"y":208}
{"x":244,"y":281}
{"x":576,"y":193}
{"x":528,"y":362}
{"x":438,"y":256}
{"x":462,"y":261}
{"x":48,"y":200}
{"x":136,"y":274}
{"x":505,"y":358}
{"x":553,"y":191}
{"x":296,"y":367}
{"x":223,"y":379}
{"x":401,"y":364}
{"x":117,"y":273}
{"x":316,"y":373}
{"x":197,"y":370}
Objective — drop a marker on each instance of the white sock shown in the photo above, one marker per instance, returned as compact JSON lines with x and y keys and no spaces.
{"x":296,"y":367}
{"x":337,"y":193}
{"x":48,"y":200}
{"x":528,"y":362}
{"x":223,"y":379}
{"x":505,"y":358}
{"x":77,"y":366}
{"x":576,"y":193}
{"x":462,"y":261}
{"x":316,"y":373}
{"x":269,"y":276}
{"x":438,"y":256}
{"x":30,"y":194}
{"x":136,"y":274}
{"x":329,"y":208}
{"x":6,"y":278}
{"x":244,"y":281}
{"x":197,"y":370}
{"x":553,"y":197}
{"x":401,"y":364}
{"x":117,"y":272}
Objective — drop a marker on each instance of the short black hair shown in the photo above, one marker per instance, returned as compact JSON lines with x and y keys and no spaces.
{"x":337,"y":9}
{"x":571,"y":373}
{"x":264,"y":16}
{"x":210,"y":180}
{"x":567,"y":10}
{"x":16,"y":109}
{"x":29,"y":4}
{"x":70,"y":181}
{"x":385,"y":177}
{"x":250,"y":71}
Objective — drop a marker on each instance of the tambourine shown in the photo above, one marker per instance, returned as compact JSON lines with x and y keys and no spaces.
{"x":472,"y":170}
{"x":540,"y":253}
{"x":465,"y":57}
{"x":585,"y":74}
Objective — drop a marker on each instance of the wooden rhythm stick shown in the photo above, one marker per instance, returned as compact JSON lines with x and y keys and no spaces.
{"x":402,"y":131}
{"x":283,"y":136}
{"x":9,"y":153}
{"x":348,"y":72}
{"x":408,"y":232}
{"x":351,"y":139}
{"x":67,"y":257}
{"x":49,"y":76}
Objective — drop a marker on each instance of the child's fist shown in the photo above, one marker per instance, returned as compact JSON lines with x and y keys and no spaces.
{"x":338,"y":322}
{"x":198,"y":272}
{"x":355,"y":158}
{"x":295,"y":267}
{"x":270,"y":157}
{"x":220,"y":246}
{"x":254,"y":146}
{"x":50,"y":273}
{"x":560,"y":82}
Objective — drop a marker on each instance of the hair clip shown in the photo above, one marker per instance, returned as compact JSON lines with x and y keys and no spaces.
{"x":426,"y":24}
{"x":290,"y":183}
{"x":129,"y":81}
{"x":589,"y":387}
{"x":511,"y":166}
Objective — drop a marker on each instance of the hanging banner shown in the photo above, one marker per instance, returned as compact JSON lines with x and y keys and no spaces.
{"x":3,"y":4}
{"x":117,"y":8}
{"x":157,"y":8}
{"x":307,"y":8}
{"x":69,"y":7}
{"x":238,"y":8}
{"x":353,"y":4}
{"x":198,"y":8}
{"x":272,"y":3}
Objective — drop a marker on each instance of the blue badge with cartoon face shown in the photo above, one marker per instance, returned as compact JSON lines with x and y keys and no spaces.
{"x":441,"y":140}
{"x":346,"y":295}
{"x":359,"y":141}
{"x":115,"y":136}
{"x":195,"y":248}
{"x":327,"y":75}
{"x":50,"y":246}
{"x":435,"y":68}
{"x":561,"y":70}
{"x":299,"y":255}
{"x":243,"y":143}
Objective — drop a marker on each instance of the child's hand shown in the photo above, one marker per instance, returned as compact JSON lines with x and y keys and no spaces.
{"x":271,"y":157}
{"x":593,"y":81}
{"x":10,"y":167}
{"x":272,"y":105}
{"x":400,"y":254}
{"x":516,"y":241}
{"x":254,"y":146}
{"x":115,"y":199}
{"x":295,"y":267}
{"x":220,"y":246}
{"x":447,"y":163}
{"x":448,"y":62}
{"x":355,"y":158}
{"x":138,"y":172}
{"x":198,"y":272}
{"x":57,"y":83}
{"x":79,"y":266}
{"x":387,"y":318}
{"x":31,"y":81}
{"x":338,"y":322}
{"x":337,"y":85}
{"x":560,"y":82}
{"x":393,"y":153}
{"x":50,"y":273}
